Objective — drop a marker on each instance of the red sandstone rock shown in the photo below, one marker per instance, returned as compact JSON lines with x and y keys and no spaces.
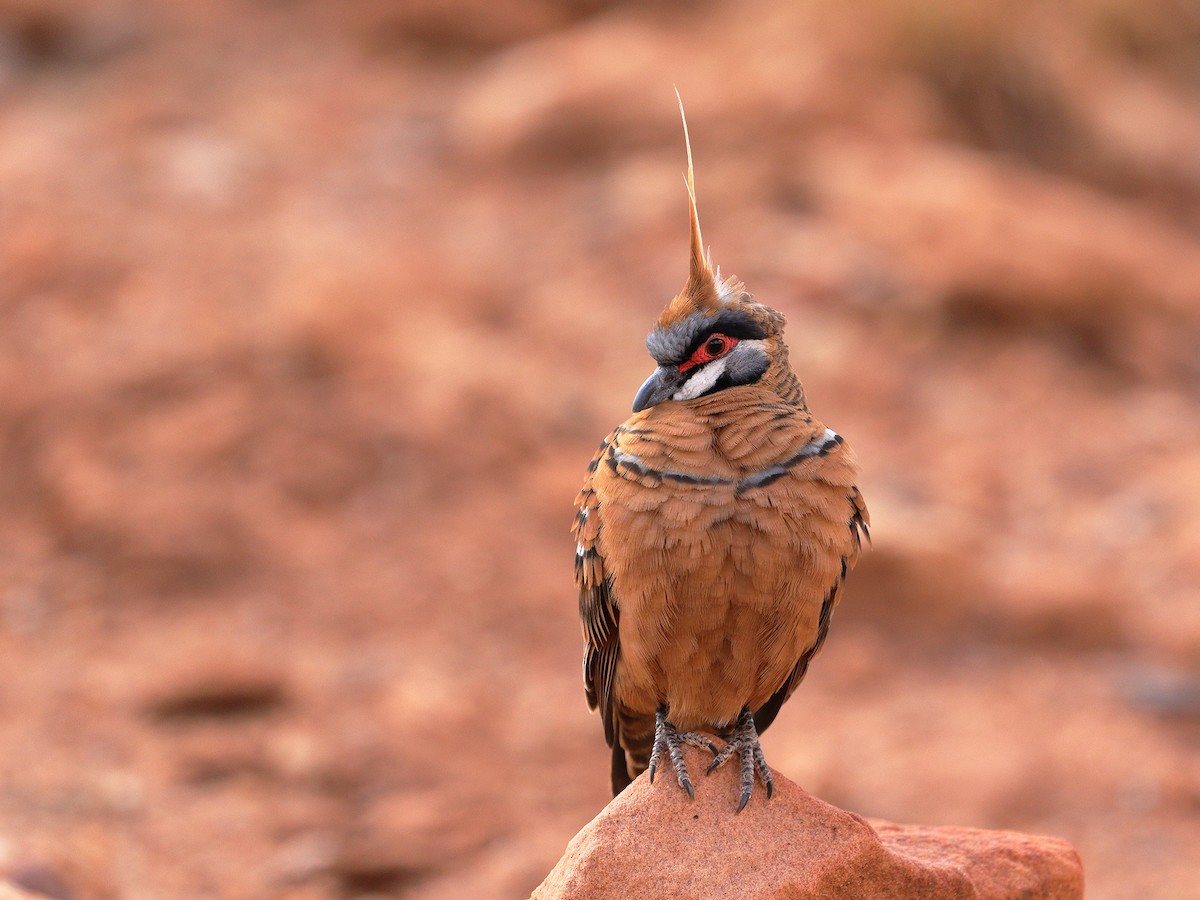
{"x":652,"y":842}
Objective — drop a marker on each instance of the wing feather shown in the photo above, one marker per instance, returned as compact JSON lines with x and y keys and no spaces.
{"x":859,"y":525}
{"x":599,"y":611}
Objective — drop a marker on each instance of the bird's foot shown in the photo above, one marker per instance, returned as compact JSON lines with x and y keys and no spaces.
{"x":744,"y":742}
{"x":666,"y":737}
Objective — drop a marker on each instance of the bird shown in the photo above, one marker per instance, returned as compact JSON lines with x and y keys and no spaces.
{"x":714,"y":532}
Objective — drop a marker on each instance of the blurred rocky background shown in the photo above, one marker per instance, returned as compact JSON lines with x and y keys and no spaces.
{"x":311,"y":315}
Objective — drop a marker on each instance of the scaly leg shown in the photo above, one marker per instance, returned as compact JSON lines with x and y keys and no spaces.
{"x":668,"y":738}
{"x":744,"y":742}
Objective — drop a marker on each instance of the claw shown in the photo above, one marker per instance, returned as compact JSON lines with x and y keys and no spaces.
{"x":668,"y":738}
{"x":744,"y":742}
{"x":742,"y":801}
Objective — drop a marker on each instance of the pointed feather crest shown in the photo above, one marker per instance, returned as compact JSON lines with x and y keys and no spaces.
{"x":701,"y":281}
{"x":705,"y":292}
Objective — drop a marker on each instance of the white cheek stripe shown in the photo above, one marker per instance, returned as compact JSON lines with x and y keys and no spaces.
{"x":701,"y":381}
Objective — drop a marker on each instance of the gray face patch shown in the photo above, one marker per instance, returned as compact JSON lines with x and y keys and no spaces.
{"x":670,"y":346}
{"x":747,"y":362}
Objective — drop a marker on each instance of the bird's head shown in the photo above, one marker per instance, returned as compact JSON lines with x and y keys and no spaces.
{"x":712,"y":335}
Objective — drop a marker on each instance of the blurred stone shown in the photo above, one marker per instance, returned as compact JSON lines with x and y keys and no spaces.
{"x":1168,"y":693}
{"x":420,"y":829}
{"x":36,"y":880}
{"x":12,"y":892}
{"x":466,"y":27}
{"x":563,"y":94}
{"x":235,"y":691}
{"x":362,"y":872}
{"x":304,"y":856}
{"x":1003,"y":250}
{"x":652,"y":841}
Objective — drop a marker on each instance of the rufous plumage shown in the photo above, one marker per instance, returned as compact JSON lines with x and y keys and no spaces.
{"x":714,"y":531}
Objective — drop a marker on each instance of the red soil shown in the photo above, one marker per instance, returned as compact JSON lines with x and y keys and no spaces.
{"x":312,"y":314}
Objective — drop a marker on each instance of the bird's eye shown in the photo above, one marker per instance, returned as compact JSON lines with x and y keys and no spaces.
{"x":717,"y":345}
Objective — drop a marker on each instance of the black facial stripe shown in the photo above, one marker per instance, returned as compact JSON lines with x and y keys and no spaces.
{"x":741,"y":331}
{"x":676,"y":345}
{"x":740,"y":324}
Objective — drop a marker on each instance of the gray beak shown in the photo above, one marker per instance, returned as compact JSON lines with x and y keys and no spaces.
{"x":658,"y":387}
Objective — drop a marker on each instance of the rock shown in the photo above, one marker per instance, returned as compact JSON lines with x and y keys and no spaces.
{"x":10,"y":891}
{"x":987,"y":245}
{"x":561,"y":93}
{"x":234,"y":690}
{"x":34,"y":882}
{"x":652,"y":841}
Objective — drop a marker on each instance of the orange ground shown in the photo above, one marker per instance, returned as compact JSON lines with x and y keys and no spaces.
{"x":311,"y":316}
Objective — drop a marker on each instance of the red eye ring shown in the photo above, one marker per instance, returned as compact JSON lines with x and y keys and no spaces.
{"x":707,"y":352}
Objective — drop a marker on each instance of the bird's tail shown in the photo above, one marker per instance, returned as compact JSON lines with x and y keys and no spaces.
{"x":631,"y":748}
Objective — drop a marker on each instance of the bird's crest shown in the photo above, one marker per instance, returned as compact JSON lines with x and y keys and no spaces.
{"x":700,"y":273}
{"x":705,"y":291}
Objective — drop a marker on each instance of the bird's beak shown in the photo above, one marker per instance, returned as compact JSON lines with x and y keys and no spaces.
{"x":658,"y":387}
